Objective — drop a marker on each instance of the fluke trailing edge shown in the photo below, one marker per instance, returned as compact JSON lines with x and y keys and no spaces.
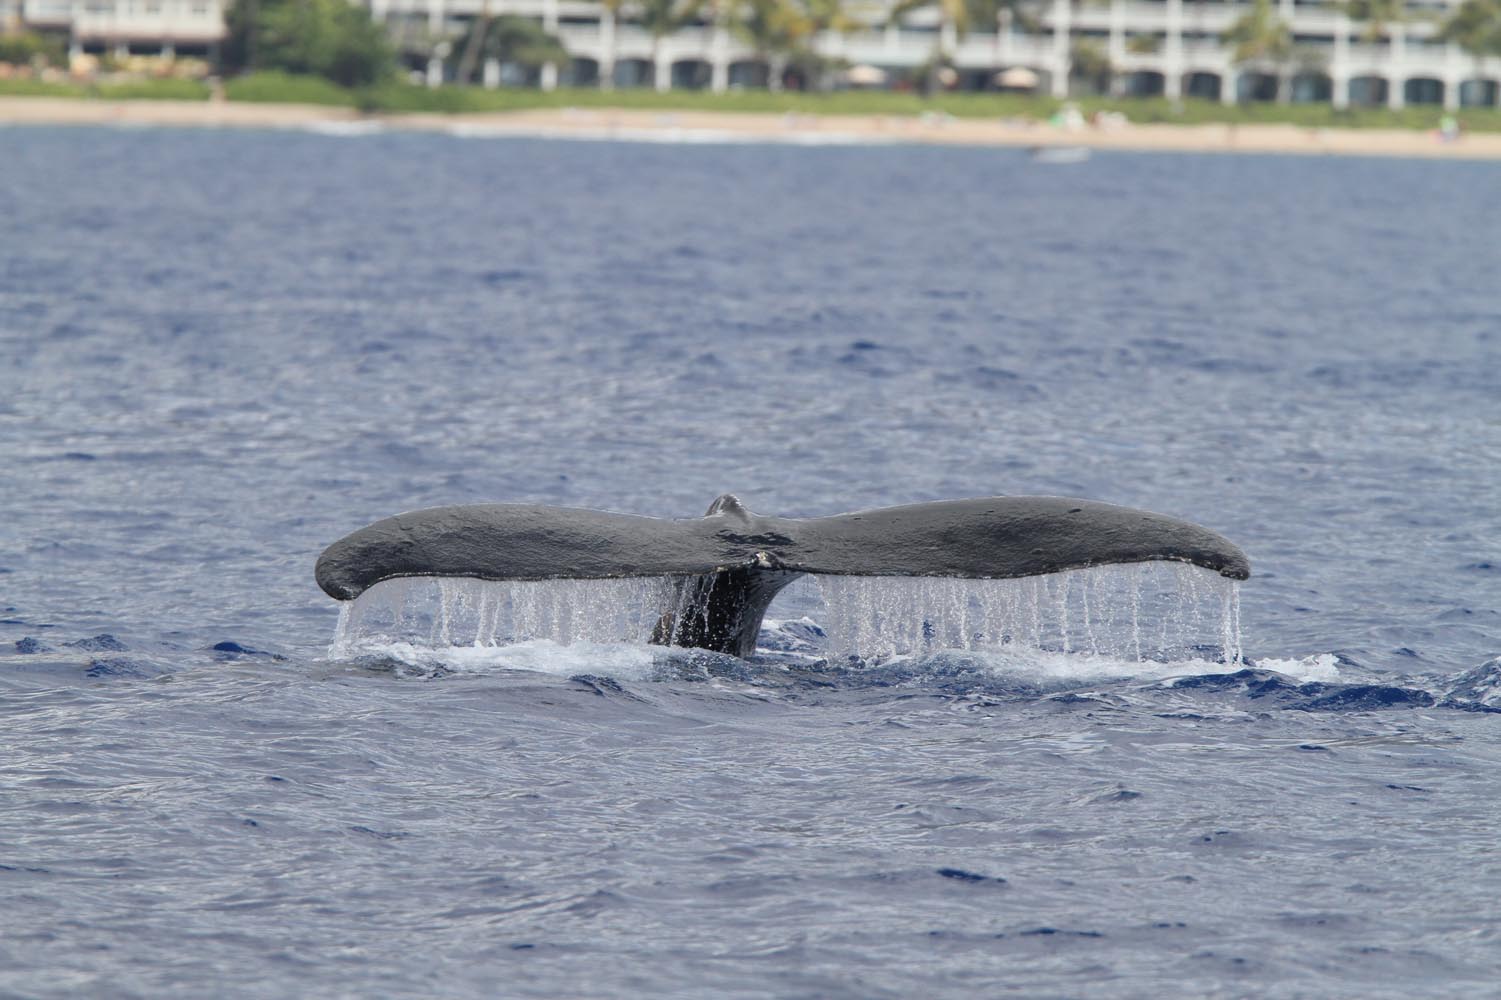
{"x":731,"y":562}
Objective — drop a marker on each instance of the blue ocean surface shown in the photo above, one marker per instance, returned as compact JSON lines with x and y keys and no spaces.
{"x":222,"y":350}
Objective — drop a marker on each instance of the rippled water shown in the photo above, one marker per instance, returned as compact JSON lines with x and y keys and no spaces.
{"x":221,"y":351}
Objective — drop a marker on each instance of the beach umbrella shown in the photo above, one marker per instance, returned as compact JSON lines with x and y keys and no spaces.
{"x":1017,"y":78}
{"x":865,"y":76}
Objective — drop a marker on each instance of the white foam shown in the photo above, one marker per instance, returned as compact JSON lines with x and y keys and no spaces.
{"x":618,"y":660}
{"x":344,"y":129}
{"x":1319,"y":667}
{"x":1047,"y":669}
{"x":671,"y":135}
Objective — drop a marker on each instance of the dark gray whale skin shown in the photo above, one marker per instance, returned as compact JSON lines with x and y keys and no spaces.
{"x":732,"y":562}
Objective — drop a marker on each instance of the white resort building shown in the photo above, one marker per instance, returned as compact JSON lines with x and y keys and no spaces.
{"x":141,"y":26}
{"x":1169,"y":48}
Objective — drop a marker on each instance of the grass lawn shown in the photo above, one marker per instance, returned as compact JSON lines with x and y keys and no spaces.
{"x":131,"y":90}
{"x":282,"y":88}
{"x":404,"y":97}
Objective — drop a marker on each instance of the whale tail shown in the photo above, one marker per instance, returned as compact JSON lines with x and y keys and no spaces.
{"x":729,"y":565}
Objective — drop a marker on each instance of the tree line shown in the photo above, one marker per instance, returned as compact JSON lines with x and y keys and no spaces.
{"x":339,"y":41}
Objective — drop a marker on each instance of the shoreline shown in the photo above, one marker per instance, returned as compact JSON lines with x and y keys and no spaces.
{"x":720,"y":126}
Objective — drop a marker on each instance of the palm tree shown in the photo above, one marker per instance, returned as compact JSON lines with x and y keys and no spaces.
{"x":1261,"y":38}
{"x":1088,"y":61}
{"x":770,"y":28}
{"x":511,"y":39}
{"x":714,"y":16}
{"x":953,"y":17}
{"x":784,"y":31}
{"x":1380,"y":17}
{"x":663,"y":18}
{"x":472,"y":46}
{"x":827,"y":15}
{"x":1377,"y":15}
{"x":607,"y":62}
{"x":952,"y":14}
{"x":1475,"y":26}
{"x":956,"y":16}
{"x":817,"y":17}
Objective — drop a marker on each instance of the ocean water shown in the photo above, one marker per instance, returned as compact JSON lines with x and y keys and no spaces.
{"x":221,"y":351}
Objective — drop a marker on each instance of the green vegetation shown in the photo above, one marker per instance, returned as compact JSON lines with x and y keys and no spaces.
{"x":26,"y":48}
{"x":955,"y":17}
{"x":507,"y":39}
{"x":273,"y":87}
{"x":1475,"y":27}
{"x":1262,"y":40}
{"x":1378,"y":16}
{"x":151,"y":90}
{"x":29,"y":87}
{"x":332,"y":39}
{"x":124,"y":90}
{"x":396,"y":97}
{"x":781,"y":33}
{"x":1259,"y":36}
{"x":1089,"y":64}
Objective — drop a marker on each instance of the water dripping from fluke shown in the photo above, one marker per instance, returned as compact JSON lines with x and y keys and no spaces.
{"x":1147,"y":612}
{"x":1158,"y":612}
{"x":439,"y":612}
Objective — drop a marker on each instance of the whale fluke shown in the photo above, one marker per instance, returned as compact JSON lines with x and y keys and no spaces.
{"x":731,"y":562}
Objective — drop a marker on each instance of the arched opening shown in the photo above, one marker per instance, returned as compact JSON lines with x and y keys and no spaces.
{"x":581,"y":72}
{"x":690,"y":74}
{"x":1368,"y":91}
{"x":748,"y":74}
{"x":1089,"y":71}
{"x":796,"y":77}
{"x":517,"y":75}
{"x":975,"y":79}
{"x":1479,"y":94}
{"x":1423,"y":90}
{"x":1206,"y":86}
{"x":1311,"y":88}
{"x":1144,"y":83}
{"x":1256,"y":86}
{"x":633,"y":73}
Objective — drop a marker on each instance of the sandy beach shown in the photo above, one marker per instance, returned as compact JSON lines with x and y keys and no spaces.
{"x":698,"y":126}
